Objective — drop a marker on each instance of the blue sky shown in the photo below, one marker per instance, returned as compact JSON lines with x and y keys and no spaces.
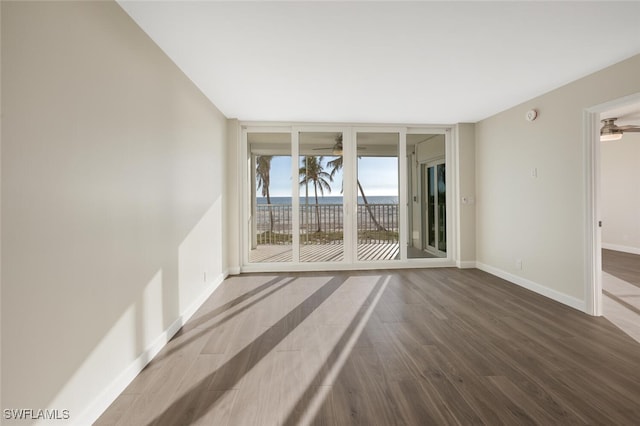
{"x":378,"y":176}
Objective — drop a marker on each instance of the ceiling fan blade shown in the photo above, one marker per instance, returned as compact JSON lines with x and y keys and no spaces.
{"x":631,"y":129}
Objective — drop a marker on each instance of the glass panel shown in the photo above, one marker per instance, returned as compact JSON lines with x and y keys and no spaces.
{"x":321,"y":204}
{"x":442,"y":210}
{"x":270,"y":224}
{"x":431,"y":216}
{"x":377,"y":189}
{"x":427,"y":197}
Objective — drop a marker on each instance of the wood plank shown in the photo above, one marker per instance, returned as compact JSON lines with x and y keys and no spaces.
{"x":323,"y":252}
{"x":625,"y":266}
{"x":439,"y":346}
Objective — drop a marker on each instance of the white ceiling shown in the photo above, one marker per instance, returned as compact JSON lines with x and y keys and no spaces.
{"x":391,"y":62}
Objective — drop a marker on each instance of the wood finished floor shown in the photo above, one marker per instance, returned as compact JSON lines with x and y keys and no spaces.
{"x":625,"y":266}
{"x":406,"y":347}
{"x":621,"y":290}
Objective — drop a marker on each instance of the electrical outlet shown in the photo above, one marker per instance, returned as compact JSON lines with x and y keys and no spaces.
{"x":519,"y":264}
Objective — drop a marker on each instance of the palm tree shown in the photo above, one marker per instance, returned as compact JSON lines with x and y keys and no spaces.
{"x":336,"y":165}
{"x":313,"y":172}
{"x":263,"y":180}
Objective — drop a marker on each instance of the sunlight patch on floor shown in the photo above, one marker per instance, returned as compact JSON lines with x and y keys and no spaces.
{"x":621,"y":304}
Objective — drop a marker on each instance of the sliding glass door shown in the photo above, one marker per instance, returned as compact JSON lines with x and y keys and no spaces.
{"x":321,"y":202}
{"x":347,"y":195}
{"x":435,"y":214}
{"x":377,"y":188}
{"x":427,"y":194}
{"x":270,"y":222}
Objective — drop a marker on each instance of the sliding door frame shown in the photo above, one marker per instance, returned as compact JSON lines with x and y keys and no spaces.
{"x":451,"y":178}
{"x":346,"y":213}
{"x":402,"y":189}
{"x":349,"y":132}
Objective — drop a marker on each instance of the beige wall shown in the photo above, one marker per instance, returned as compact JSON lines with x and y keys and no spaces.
{"x":466,"y":194}
{"x":541,"y":220}
{"x":620,"y":185}
{"x":112,"y":200}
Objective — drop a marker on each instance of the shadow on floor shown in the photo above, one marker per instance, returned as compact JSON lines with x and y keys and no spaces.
{"x":190,"y":407}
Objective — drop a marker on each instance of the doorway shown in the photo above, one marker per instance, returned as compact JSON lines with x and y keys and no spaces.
{"x":593,"y":196}
{"x":434,"y":208}
{"x":620,"y":211}
{"x":428,"y":211}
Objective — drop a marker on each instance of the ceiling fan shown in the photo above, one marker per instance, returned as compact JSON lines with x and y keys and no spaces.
{"x":336,"y":149}
{"x":611,"y":132}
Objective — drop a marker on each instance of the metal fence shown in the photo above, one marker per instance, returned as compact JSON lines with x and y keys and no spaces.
{"x":323,"y":223}
{"x":273,"y":223}
{"x":377,"y":223}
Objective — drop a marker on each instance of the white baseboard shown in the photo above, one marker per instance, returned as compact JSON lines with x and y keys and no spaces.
{"x":208,"y":291}
{"x":466,"y":264}
{"x":535,"y":287}
{"x":234,"y":271}
{"x":104,"y":400}
{"x":625,"y":249}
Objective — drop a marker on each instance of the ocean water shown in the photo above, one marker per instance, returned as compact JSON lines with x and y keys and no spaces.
{"x":330,"y":200}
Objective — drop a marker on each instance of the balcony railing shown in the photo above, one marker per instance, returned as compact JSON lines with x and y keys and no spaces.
{"x":324,"y":223}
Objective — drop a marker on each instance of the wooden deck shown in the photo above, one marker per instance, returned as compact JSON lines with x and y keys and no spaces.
{"x":323,"y":252}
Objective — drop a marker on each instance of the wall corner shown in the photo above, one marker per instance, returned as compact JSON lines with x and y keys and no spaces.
{"x":231,"y":238}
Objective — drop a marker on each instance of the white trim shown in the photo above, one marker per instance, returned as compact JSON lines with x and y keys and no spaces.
{"x":593,"y":257}
{"x":467,"y":264}
{"x":535,"y":287}
{"x":233,"y":271}
{"x":206,"y":293}
{"x":106,"y":398}
{"x":615,"y":103}
{"x":342,"y":266}
{"x":350,"y":194}
{"x":452,"y":172}
{"x":239,"y":182}
{"x":624,"y":249}
{"x":244,"y":185}
{"x":295,"y":195}
{"x":403,"y":194}
{"x":238,"y":196}
{"x":412,"y":128}
{"x":458,"y":216}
